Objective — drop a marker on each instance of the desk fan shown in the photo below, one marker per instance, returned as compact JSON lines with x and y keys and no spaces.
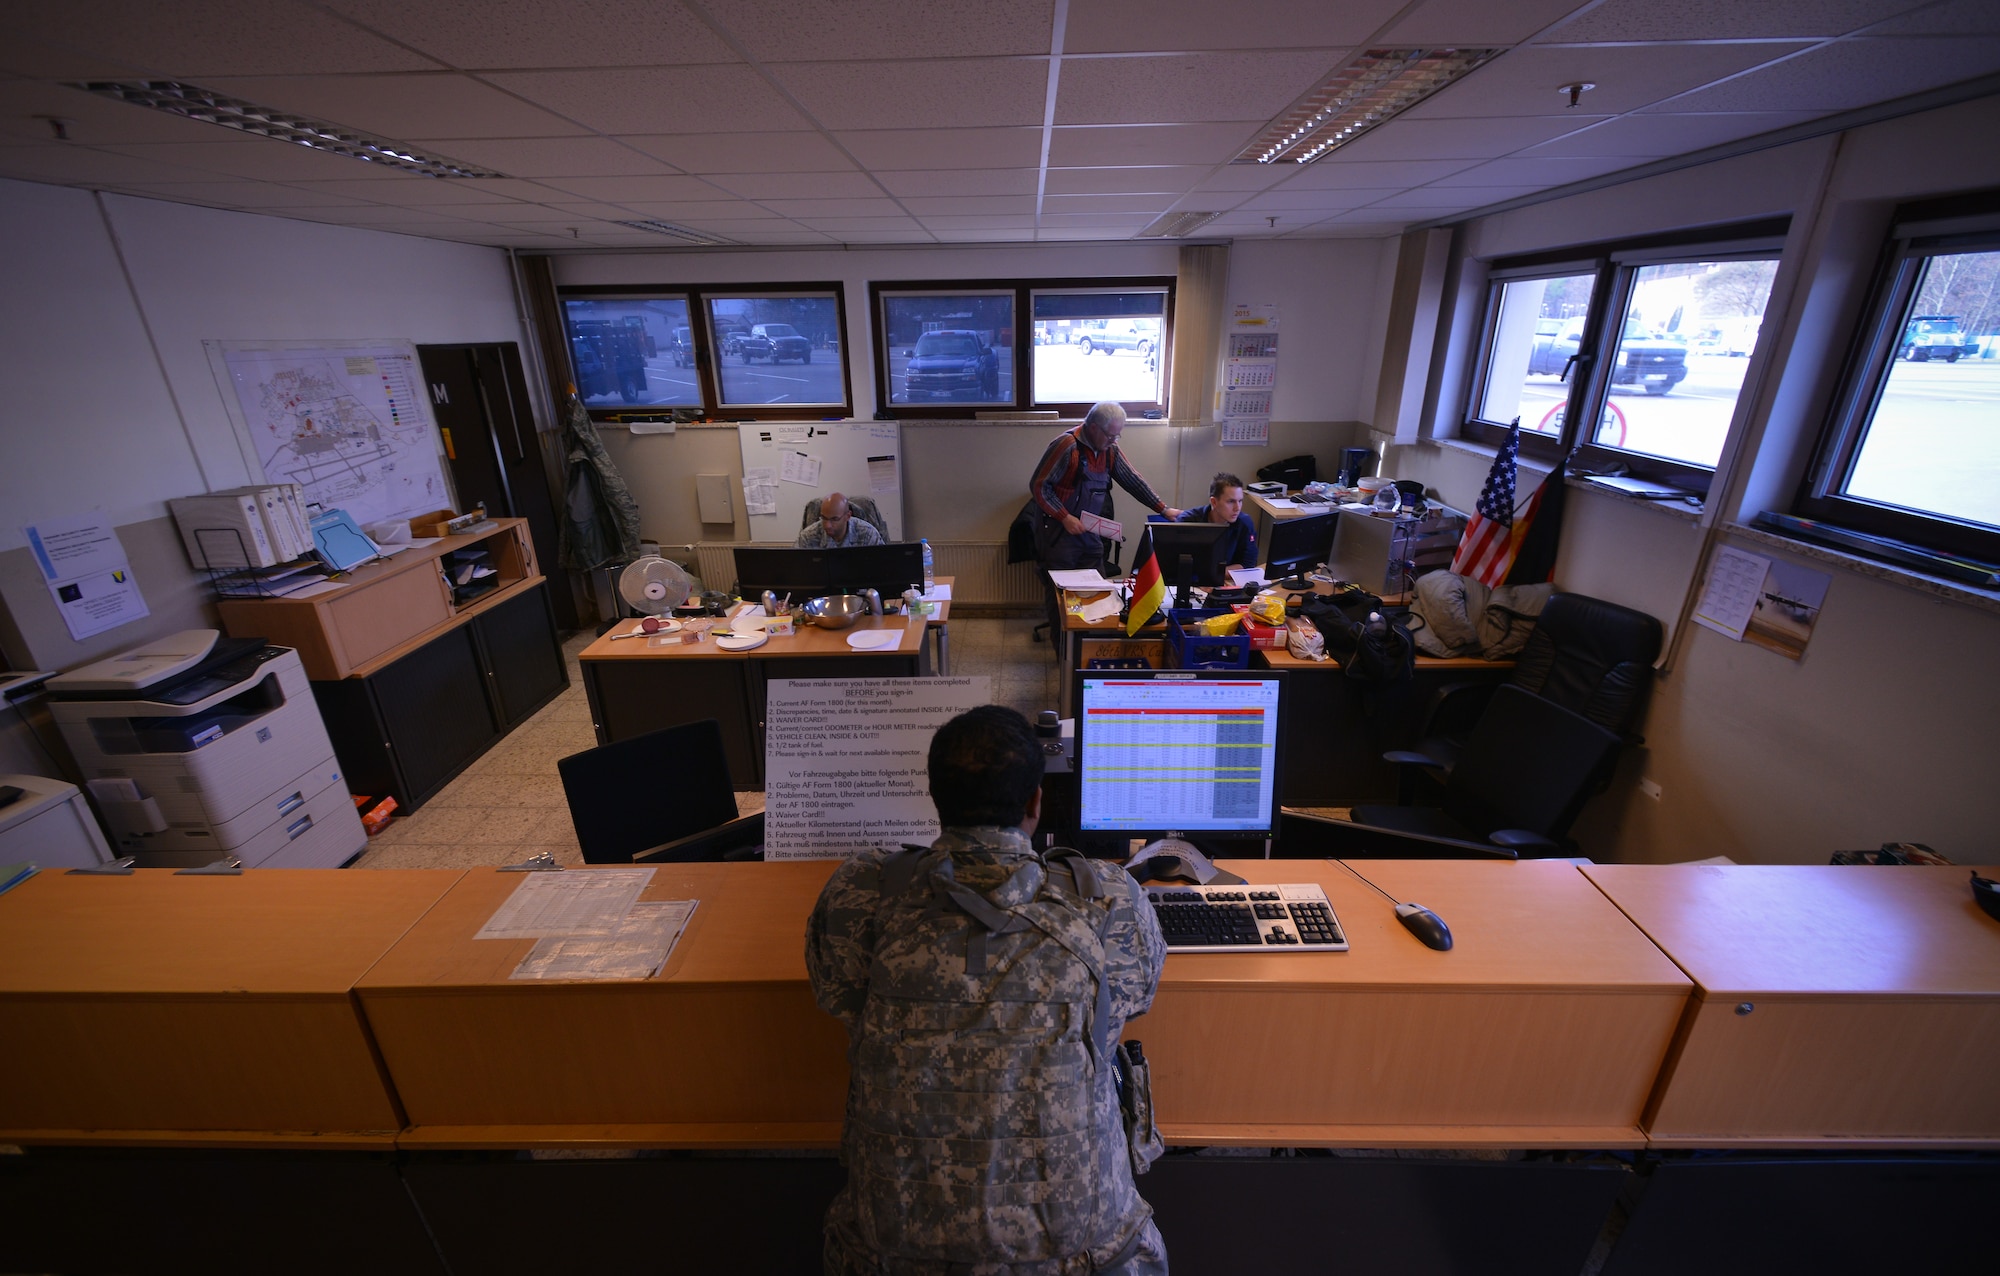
{"x":654,"y":586}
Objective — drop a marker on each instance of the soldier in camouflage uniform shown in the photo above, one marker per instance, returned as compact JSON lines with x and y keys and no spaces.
{"x":983,"y":986}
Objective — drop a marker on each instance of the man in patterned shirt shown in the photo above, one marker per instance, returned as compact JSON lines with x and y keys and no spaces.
{"x":837,"y":527}
{"x":982,"y":986}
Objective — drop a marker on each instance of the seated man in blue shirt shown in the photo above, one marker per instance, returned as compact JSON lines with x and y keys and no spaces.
{"x":1225,"y":505}
{"x":837,"y":527}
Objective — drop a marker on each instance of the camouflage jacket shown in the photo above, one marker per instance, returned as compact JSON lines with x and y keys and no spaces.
{"x":983,"y":1132}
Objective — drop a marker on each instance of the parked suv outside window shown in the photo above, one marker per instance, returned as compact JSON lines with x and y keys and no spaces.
{"x":775,"y":341}
{"x":951,"y":363}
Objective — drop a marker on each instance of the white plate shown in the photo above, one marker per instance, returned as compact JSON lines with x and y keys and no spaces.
{"x":875,"y":639}
{"x":741,"y":642}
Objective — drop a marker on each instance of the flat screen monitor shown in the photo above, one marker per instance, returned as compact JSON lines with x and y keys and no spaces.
{"x":1297,"y":545}
{"x":1178,"y":753}
{"x":1189,"y":554}
{"x":810,"y":573}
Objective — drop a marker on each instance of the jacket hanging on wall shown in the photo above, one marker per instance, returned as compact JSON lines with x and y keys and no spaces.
{"x":600,"y":518}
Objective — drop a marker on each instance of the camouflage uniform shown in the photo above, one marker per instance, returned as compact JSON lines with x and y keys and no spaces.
{"x":960,"y":1159}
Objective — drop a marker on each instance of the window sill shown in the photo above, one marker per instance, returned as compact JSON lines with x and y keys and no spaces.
{"x":1672,"y":509}
{"x":1950,"y":590}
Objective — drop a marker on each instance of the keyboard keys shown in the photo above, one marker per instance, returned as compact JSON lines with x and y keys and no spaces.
{"x":1223,"y":919}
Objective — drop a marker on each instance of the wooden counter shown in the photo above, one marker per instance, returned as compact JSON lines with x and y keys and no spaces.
{"x":1544,"y":1025}
{"x":159,"y":1008}
{"x":1874,"y":997}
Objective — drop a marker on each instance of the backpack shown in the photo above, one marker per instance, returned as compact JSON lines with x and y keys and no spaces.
{"x":985,"y":1122}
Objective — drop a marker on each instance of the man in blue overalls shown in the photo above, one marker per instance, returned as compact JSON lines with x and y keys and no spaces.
{"x":1074,"y":478}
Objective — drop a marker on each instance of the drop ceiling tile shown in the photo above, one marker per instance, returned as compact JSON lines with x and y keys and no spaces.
{"x":69,"y":165}
{"x":410,"y":190}
{"x":1958,"y":17}
{"x":938,"y":222}
{"x":1525,"y":81}
{"x":710,"y":210}
{"x":402,"y":106}
{"x":1544,"y":173}
{"x":550,"y":156}
{"x":917,"y":236}
{"x":257,"y":195}
{"x":969,"y":205}
{"x":1724,"y":19}
{"x":1849,"y":74}
{"x":1476,"y":23}
{"x":1656,"y":136}
{"x":744,"y":152}
{"x":1082,"y":234}
{"x":976,"y":235}
{"x":89,"y":120}
{"x":1339,"y":174}
{"x":1057,"y":204}
{"x":863,"y":30}
{"x":972,"y":181}
{"x":841,"y":225}
{"x":609,"y":212}
{"x":973,"y":93}
{"x":1292,"y":200}
{"x":697,"y":99}
{"x":785,"y":238}
{"x":1438,"y":201}
{"x":1247,"y":177}
{"x":623,"y":190}
{"x":1188,"y":88}
{"x":1091,"y":145}
{"x":369,"y":215}
{"x":1466,"y":139}
{"x":1151,"y":179}
{"x":259,"y":158}
{"x":40,"y":60}
{"x":216,"y":37}
{"x":945,"y":147}
{"x":732,"y":227}
{"x":835,"y":207}
{"x":1118,"y":26}
{"x":848,"y":185}
{"x":496,"y":34}
{"x":1100,"y":221}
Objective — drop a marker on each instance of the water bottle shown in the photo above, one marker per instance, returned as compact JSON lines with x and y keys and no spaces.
{"x":930,"y":580}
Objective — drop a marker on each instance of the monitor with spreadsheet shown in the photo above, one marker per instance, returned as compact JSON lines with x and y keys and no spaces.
{"x":1165,"y":752}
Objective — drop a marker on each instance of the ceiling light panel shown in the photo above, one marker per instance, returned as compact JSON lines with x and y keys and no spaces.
{"x":1175,"y":225}
{"x":1365,"y":92}
{"x":193,"y":103}
{"x":672,"y":231}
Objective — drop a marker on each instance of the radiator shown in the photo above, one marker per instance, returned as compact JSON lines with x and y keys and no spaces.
{"x":984,"y":577}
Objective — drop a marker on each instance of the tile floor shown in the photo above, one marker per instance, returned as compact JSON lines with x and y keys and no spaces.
{"x":509,"y":804}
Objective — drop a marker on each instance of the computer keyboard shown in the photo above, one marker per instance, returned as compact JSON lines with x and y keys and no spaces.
{"x":1235,"y":919}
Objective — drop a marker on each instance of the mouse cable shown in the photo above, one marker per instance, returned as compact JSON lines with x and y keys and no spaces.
{"x":1372,"y":886}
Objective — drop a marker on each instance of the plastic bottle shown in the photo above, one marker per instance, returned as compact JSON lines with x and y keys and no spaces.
{"x":930,"y":579}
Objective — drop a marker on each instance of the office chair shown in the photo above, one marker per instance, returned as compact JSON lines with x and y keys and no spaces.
{"x":1520,"y":780}
{"x":861,"y":507}
{"x":662,"y":797}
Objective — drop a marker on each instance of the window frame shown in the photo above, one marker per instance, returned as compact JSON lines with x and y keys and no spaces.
{"x":1023,"y":291}
{"x":1918,"y":233}
{"x":1616,"y":266}
{"x":713,"y":407}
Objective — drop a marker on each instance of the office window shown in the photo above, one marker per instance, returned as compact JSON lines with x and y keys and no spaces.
{"x":950,"y":348}
{"x":632,"y":352}
{"x":777,"y":348}
{"x":1536,"y":330}
{"x":1911,"y":451}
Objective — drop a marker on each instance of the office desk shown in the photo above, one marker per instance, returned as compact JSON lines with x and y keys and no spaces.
{"x":634,"y":688}
{"x":1874,"y":995}
{"x":1069,"y":653}
{"x":939,"y":622}
{"x":159,"y":1008}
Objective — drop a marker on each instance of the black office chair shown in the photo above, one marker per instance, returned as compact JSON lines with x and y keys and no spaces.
{"x":662,"y":797}
{"x":1519,"y":782}
{"x":861,"y":507}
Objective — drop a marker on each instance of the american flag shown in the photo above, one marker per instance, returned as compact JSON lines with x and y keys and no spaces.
{"x":1486,"y":550}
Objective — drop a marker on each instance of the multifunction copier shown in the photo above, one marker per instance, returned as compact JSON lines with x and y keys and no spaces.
{"x":198,"y":747}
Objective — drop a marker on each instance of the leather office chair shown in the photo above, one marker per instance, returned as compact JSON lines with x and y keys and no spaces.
{"x":1520,"y":780}
{"x":662,"y":797}
{"x":861,"y":507}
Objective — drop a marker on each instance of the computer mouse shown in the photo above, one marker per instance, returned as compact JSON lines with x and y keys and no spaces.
{"x":1425,"y":925}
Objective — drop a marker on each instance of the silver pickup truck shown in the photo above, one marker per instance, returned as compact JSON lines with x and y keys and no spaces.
{"x":1114,"y":339}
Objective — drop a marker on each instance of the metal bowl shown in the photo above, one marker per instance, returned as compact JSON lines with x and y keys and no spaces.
{"x":837,"y":612}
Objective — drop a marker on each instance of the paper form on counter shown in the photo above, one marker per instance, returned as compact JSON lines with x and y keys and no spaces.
{"x":589,"y":902}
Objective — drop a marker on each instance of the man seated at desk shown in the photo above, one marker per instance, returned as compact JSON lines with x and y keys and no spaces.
{"x":1225,"y":505}
{"x":837,"y":527}
{"x":979,"y":1036}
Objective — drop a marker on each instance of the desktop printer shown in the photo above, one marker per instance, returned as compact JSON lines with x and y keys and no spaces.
{"x":198,"y":747}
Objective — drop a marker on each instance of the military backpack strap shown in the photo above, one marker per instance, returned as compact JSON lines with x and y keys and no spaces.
{"x":899,"y":869}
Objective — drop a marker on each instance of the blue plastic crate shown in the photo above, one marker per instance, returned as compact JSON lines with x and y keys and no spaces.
{"x":1190,"y":650}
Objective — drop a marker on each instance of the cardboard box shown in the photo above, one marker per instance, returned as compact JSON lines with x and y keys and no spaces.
{"x":431,"y":525}
{"x":1263,"y":637}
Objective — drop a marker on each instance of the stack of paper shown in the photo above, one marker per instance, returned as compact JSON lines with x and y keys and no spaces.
{"x":260,"y":525}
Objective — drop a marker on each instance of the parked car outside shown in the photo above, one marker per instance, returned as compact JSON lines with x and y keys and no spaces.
{"x":774,"y":341}
{"x":951,"y":363}
{"x":1107,"y":340}
{"x":682,"y":348}
{"x":1930,"y":337}
{"x":1656,"y":363}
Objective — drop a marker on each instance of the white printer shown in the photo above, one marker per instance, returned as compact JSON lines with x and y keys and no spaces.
{"x":197,"y":747}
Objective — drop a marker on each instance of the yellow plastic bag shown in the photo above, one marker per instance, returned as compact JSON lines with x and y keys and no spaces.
{"x":1269,"y":608}
{"x":1221,"y":626}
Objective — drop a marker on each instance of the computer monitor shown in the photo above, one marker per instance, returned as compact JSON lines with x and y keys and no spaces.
{"x":1189,"y":554}
{"x":1297,"y":545}
{"x":809,"y":573}
{"x":1178,"y":753}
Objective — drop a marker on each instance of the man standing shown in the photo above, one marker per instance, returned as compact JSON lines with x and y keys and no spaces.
{"x":1074,"y":478}
{"x":984,"y":988}
{"x":837,"y":527}
{"x":1225,"y":505}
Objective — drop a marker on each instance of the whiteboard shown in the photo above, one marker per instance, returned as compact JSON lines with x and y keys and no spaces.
{"x":807,"y":459}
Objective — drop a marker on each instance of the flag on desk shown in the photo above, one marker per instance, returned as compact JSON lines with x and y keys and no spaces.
{"x":1494,"y":537}
{"x":1148,"y":590}
{"x":1538,"y":529}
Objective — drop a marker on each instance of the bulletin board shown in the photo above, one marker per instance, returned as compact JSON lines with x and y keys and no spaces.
{"x":786,"y":464}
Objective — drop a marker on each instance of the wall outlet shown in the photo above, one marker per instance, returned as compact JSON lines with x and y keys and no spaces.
{"x":1651,"y":788}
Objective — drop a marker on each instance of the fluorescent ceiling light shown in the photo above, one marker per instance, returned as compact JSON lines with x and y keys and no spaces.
{"x":1369,"y":90}
{"x":1174,"y":225}
{"x":193,"y":103}
{"x":675,"y":232}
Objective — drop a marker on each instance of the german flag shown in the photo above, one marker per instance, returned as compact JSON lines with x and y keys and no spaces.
{"x":1149,"y":593}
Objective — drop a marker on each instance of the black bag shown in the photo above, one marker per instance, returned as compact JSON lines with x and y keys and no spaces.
{"x":1384,"y":652}
{"x":1294,"y":471}
{"x":1339,"y":617}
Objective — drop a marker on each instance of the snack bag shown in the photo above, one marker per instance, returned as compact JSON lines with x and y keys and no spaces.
{"x":1220,"y":626}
